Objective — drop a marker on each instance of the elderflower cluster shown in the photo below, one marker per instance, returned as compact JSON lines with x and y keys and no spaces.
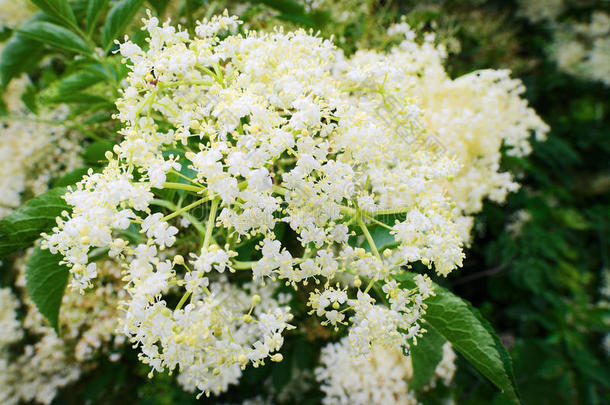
{"x":15,"y":12}
{"x":472,"y":117}
{"x":580,"y":48}
{"x":88,"y":323}
{"x":392,"y":325}
{"x":9,"y":324}
{"x":517,"y":221}
{"x":254,"y":317}
{"x":230,"y":138}
{"x":10,"y":333}
{"x":35,"y":374}
{"x":583,"y":49}
{"x":382,"y":378}
{"x":541,"y":10}
{"x":33,"y":150}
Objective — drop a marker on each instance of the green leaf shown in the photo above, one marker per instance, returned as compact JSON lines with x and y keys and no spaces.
{"x":470,"y":334}
{"x":59,"y":10}
{"x":159,"y":5}
{"x":79,"y":98}
{"x":5,"y":33}
{"x":95,"y":8}
{"x":117,"y":20}
{"x":19,"y":54}
{"x":573,"y":219}
{"x":289,"y":10}
{"x":303,"y":354}
{"x":425,"y":356}
{"x":71,"y":178}
{"x":96,"y":152}
{"x":85,"y":104}
{"x":382,"y":237}
{"x":290,"y":7}
{"x":56,"y":36}
{"x":45,"y":280}
{"x":281,"y":372}
{"x":78,"y":81}
{"x":107,"y":72}
{"x":29,"y":98}
{"x":23,"y":226}
{"x":97,"y":118}
{"x":300,"y":19}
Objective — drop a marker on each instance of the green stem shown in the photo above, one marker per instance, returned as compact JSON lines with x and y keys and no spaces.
{"x":210,"y":225}
{"x":219,"y":74}
{"x":371,"y":214}
{"x":206,"y":242}
{"x":371,"y":284}
{"x":184,"y":83}
{"x":196,"y":224}
{"x":279,"y":190}
{"x":147,"y":101}
{"x":212,"y":74}
{"x":347,"y":210}
{"x":378,"y":222}
{"x":368,"y":237}
{"x":182,"y":186}
{"x":163,"y":203}
{"x":391,"y":211}
{"x":183,"y":176}
{"x":185,"y":208}
{"x":237,"y":265}
{"x":183,"y":300}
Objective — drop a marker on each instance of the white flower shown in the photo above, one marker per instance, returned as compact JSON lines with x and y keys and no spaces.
{"x":162,"y":233}
{"x":381,"y":378}
{"x":259,"y":179}
{"x":276,"y":141}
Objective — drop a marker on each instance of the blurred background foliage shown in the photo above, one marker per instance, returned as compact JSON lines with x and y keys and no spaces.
{"x":538,"y":267}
